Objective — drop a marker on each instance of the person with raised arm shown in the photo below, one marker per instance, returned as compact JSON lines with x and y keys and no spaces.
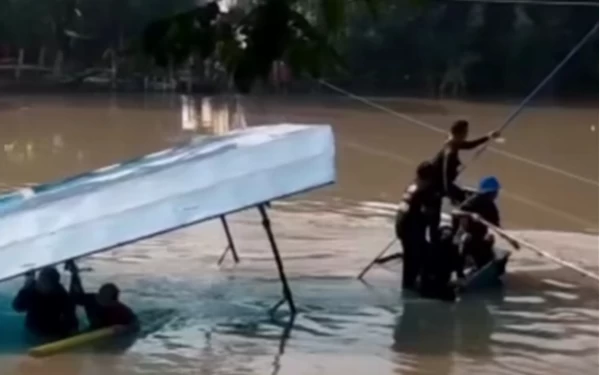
{"x":50,"y":312}
{"x":103,"y":309}
{"x":447,"y":164}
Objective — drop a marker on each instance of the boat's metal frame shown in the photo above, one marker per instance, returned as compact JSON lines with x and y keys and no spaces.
{"x":266,"y":222}
{"x":230,"y":245}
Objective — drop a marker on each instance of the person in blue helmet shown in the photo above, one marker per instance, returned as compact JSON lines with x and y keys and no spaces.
{"x":477,"y":243}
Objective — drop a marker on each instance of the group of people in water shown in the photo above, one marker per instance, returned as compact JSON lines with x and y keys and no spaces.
{"x":432,"y":253}
{"x":51,"y":310}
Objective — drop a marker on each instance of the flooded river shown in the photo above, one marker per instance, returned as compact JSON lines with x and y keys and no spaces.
{"x":199,"y":318}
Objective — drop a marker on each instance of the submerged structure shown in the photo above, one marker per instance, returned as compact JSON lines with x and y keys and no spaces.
{"x":206,"y":178}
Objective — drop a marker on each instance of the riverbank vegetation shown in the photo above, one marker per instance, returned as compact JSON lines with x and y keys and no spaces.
{"x":439,"y":49}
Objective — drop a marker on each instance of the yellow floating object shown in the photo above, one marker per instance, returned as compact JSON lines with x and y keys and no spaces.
{"x":77,"y":340}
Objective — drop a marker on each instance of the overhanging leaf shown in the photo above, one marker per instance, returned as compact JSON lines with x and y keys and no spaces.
{"x":333,"y":13}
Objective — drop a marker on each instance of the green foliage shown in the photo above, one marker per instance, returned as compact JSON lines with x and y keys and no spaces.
{"x":498,"y":49}
{"x":248,"y":40}
{"x":411,"y":46}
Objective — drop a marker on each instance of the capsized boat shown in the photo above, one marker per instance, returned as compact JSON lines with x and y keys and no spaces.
{"x":208,"y":177}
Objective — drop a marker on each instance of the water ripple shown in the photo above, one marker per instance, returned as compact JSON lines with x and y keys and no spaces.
{"x":201,"y":318}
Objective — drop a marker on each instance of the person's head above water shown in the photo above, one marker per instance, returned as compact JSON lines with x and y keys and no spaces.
{"x":48,"y":280}
{"x":459,"y":130}
{"x":489,"y":186}
{"x":425,"y":171}
{"x":108,"y":294}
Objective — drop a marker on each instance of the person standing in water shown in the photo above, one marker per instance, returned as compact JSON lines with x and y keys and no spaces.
{"x":50,"y":311}
{"x":412,"y":221}
{"x":103,"y":309}
{"x":477,"y":242}
{"x":438,"y":265}
{"x":447,"y":164}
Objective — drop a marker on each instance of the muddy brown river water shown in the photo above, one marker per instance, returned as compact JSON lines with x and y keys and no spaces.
{"x":202,"y":319}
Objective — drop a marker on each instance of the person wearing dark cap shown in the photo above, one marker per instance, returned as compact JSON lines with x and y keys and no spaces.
{"x":413,"y":219}
{"x":447,"y":163}
{"x":50,"y":312}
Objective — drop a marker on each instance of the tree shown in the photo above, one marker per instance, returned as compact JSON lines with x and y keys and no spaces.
{"x":412,"y":47}
{"x":497,"y":49}
{"x":252,"y":36}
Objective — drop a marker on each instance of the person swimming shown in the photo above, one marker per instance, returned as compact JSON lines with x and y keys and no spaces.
{"x":103,"y":309}
{"x":50,"y":312}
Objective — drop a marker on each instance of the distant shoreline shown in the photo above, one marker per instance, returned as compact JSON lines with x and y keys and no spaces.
{"x":583,"y":101}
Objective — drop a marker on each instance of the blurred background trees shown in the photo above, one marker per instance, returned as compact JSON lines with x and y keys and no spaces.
{"x":440,"y":49}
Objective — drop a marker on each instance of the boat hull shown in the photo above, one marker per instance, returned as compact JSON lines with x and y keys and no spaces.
{"x":206,"y":178}
{"x":490,"y":275}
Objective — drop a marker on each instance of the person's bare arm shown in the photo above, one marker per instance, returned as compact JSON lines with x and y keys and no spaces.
{"x":474,"y":143}
{"x":471,"y":144}
{"x":75,"y":288}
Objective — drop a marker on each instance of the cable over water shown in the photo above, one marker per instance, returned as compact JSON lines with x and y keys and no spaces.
{"x":438,"y":129}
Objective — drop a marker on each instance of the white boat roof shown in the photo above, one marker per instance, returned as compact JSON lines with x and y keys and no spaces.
{"x":207,"y":177}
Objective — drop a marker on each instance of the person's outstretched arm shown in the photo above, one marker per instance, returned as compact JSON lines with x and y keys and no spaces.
{"x":471,"y":144}
{"x":75,"y":288}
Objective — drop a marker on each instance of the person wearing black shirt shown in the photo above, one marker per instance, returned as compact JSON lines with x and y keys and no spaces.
{"x":103,"y":309}
{"x":50,"y":312}
{"x":440,"y":262}
{"x":447,"y":163}
{"x":413,"y":220}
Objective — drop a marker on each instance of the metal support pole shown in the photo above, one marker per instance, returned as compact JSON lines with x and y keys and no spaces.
{"x":230,"y":244}
{"x":285,"y":335}
{"x":287,"y":293}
